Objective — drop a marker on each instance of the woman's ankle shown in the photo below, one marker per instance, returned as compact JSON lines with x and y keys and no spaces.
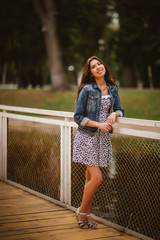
{"x":82,"y":210}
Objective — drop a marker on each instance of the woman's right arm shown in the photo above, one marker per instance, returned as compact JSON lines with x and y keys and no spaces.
{"x":106,"y":126}
{"x":79,"y":114}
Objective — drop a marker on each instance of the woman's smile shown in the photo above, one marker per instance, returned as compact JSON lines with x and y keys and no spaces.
{"x":97,"y":68}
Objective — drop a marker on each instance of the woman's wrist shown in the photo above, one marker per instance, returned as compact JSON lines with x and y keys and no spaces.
{"x":92,"y":123}
{"x":116,"y":114}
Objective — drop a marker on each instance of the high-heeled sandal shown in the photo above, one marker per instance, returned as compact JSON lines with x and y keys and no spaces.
{"x":81,"y":224}
{"x":91,"y":224}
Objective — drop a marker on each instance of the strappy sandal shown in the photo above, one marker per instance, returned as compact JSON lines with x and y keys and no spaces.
{"x":91,"y":224}
{"x":82,"y":224}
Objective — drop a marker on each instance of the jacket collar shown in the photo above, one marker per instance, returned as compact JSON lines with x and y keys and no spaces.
{"x":96,"y":86}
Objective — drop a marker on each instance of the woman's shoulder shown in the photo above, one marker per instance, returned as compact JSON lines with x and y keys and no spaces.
{"x":112,"y":86}
{"x":87,"y":88}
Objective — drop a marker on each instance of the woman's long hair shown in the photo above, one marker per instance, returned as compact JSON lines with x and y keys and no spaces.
{"x":87,"y":78}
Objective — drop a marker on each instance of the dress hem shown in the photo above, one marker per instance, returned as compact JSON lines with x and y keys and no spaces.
{"x":108,"y":165}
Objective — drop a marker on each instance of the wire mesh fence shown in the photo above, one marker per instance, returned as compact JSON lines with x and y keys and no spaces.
{"x":34,"y":156}
{"x":128,"y":195}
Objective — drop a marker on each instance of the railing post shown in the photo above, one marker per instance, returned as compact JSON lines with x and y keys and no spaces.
{"x":3,"y":146}
{"x":65,"y":182}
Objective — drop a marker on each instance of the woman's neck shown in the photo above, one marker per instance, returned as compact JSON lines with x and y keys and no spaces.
{"x":100,"y":82}
{"x":102,"y":86}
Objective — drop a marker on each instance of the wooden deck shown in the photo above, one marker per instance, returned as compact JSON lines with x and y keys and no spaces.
{"x":25,"y":216}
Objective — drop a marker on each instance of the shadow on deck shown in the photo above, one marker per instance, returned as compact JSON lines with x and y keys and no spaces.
{"x":25,"y":216}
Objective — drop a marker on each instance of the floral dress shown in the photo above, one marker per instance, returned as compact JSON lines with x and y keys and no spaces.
{"x":95,"y":150}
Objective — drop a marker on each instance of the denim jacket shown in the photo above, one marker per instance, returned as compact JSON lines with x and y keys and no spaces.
{"x":88,"y":106}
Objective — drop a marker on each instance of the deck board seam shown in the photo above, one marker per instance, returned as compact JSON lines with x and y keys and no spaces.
{"x":19,"y":214}
{"x":122,"y":234}
{"x":73,"y":224}
{"x":71,"y":228}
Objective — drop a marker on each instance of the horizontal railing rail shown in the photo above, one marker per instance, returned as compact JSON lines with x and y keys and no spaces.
{"x":36,"y":154}
{"x":129,"y":126}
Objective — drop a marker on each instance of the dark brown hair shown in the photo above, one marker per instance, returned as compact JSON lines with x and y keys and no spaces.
{"x":87,"y":78}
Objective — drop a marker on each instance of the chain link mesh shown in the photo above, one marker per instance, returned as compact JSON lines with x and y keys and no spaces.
{"x":34,"y":156}
{"x":128,"y":195}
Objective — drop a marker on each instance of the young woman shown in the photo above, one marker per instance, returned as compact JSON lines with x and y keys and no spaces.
{"x":98,"y":106}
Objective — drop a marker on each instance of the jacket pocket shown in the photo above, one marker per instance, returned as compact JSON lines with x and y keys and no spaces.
{"x":92,"y":105}
{"x":92,"y":99}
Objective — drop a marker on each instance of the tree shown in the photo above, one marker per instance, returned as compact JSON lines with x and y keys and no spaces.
{"x":139,"y":41}
{"x":47,"y":13}
{"x":73,"y":31}
{"x":80,"y":26}
{"x":21,"y":46}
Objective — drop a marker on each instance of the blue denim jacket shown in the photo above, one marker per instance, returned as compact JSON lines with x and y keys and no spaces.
{"x":88,"y":106}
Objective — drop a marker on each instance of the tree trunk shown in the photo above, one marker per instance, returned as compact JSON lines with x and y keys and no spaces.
{"x":128,"y":76}
{"x":47,"y":17}
{"x":144,"y":75}
{"x":155,"y":75}
{"x":4,"y":74}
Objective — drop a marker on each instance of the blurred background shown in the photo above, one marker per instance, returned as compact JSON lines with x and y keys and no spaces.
{"x":44,"y":44}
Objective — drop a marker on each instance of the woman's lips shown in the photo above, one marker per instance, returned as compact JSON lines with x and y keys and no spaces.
{"x":99,"y":71}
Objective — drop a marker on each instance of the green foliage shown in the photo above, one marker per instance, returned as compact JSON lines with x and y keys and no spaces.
{"x":34,"y":159}
{"x":139,"y":38}
{"x":81,"y":24}
{"x":21,"y":45}
{"x":142,"y":104}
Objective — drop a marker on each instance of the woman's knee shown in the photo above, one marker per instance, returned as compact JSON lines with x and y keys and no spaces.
{"x":95,"y":175}
{"x":98,"y":179}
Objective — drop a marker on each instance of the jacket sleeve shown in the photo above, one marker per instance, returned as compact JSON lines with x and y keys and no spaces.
{"x":117,"y":104}
{"x":79,"y":114}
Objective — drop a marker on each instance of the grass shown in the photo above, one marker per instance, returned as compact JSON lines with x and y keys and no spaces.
{"x":142,"y":104}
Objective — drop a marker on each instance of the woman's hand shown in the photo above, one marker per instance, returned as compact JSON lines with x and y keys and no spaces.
{"x":106,"y":126}
{"x":112,"y":118}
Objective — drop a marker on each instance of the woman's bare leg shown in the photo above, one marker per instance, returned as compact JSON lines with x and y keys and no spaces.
{"x":88,"y":178}
{"x":89,"y":219}
{"x":93,"y":180}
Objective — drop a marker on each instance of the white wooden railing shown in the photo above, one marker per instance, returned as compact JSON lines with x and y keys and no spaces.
{"x":127,"y":126}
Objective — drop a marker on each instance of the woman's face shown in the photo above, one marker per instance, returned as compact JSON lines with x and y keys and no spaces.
{"x":97,"y":68}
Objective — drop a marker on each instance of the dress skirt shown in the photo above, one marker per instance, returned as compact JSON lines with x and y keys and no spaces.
{"x":95,"y":150}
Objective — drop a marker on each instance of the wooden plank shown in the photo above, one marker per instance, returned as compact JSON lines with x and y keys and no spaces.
{"x":11,"y":211}
{"x":137,"y":133}
{"x":35,"y":216}
{"x":35,"y":119}
{"x":32,"y":218}
{"x":120,"y":237}
{"x":37,"y":111}
{"x":29,"y":200}
{"x":69,"y":231}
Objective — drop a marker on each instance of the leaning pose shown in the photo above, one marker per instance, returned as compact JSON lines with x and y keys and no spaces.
{"x":98,"y":106}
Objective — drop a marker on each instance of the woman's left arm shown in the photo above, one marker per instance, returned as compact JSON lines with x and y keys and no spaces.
{"x":118,"y":111}
{"x":112,"y":117}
